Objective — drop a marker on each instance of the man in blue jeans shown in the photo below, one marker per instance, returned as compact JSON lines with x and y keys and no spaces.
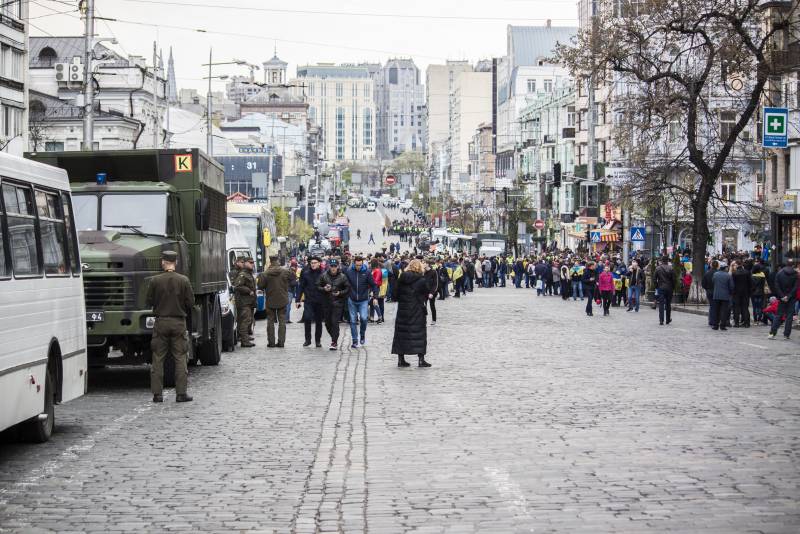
{"x":635,"y":285}
{"x":361,"y":285}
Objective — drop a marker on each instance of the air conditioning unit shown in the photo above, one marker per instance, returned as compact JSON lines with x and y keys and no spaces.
{"x":76,"y":72}
{"x":61,"y":72}
{"x":69,"y":72}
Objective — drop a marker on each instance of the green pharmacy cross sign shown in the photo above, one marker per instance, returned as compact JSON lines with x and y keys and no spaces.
{"x":776,"y":134}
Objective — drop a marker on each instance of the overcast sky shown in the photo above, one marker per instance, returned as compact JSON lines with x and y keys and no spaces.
{"x":304,"y":31}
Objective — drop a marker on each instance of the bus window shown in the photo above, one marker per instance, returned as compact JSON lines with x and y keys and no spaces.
{"x":53,"y":233}
{"x":21,"y":230}
{"x":74,"y":258}
{"x":5,"y":266}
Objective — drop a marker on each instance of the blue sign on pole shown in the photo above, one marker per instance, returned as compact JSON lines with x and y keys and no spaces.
{"x":637,"y":233}
{"x":776,"y":128}
{"x":595,"y":236}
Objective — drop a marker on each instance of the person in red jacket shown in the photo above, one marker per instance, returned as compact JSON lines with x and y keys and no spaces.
{"x":770,"y":311}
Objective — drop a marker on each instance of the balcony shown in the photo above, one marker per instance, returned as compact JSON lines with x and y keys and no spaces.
{"x":568,"y":133}
{"x":549,"y":139}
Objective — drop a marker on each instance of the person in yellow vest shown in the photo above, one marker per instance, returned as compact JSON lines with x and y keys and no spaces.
{"x":458,"y":278}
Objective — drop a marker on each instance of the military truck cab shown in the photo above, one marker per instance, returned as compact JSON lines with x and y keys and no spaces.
{"x":129,"y":207}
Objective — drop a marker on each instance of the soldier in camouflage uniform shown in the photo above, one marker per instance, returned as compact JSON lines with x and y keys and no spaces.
{"x":244,"y":286}
{"x":171,"y":298}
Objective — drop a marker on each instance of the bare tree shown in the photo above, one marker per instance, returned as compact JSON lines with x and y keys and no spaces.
{"x":687,"y":77}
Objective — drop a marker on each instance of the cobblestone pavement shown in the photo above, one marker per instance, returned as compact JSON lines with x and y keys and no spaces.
{"x":534,"y":418}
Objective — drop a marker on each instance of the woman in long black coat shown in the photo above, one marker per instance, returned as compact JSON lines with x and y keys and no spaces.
{"x":410,"y":330}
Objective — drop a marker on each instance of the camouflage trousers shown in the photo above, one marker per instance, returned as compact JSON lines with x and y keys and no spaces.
{"x":169,"y":337}
{"x":244,"y":322}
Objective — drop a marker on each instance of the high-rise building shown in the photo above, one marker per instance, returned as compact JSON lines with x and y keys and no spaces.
{"x":341,"y":101}
{"x":400,"y":108}
{"x":470,"y":105}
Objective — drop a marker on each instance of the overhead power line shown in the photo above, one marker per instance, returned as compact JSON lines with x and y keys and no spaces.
{"x":357,"y":13}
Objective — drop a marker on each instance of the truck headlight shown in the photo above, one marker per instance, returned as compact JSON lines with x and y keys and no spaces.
{"x":149,"y":322}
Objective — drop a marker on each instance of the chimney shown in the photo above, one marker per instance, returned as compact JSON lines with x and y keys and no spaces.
{"x":548,"y":22}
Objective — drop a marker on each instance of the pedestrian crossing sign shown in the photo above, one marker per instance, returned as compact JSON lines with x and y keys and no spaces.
{"x":637,"y":233}
{"x":595,"y":235}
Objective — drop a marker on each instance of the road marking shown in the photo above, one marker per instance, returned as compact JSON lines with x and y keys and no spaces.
{"x":509,"y":490}
{"x":752,"y":345}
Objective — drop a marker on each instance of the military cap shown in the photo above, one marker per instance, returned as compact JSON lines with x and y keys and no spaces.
{"x":169,"y":255}
{"x":248,"y":259}
{"x":333,"y":262}
{"x":243,"y":258}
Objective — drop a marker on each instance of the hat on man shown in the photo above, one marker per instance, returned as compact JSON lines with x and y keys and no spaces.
{"x":333,"y":262}
{"x":169,"y":255}
{"x":248,"y":259}
{"x":242,"y":258}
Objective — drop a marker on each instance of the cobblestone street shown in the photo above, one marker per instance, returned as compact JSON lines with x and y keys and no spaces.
{"x":534,"y":418}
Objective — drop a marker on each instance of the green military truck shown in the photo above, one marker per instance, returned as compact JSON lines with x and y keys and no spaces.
{"x":129,"y":206}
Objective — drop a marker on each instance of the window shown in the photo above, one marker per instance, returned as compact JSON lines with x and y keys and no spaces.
{"x":21,"y":230}
{"x":5,"y":266}
{"x":311,"y":89}
{"x":393,"y":75}
{"x":366,"y":90}
{"x":548,"y":86}
{"x":12,"y":121}
{"x":727,"y":120}
{"x":675,"y":132}
{"x":53,"y":146}
{"x":571,"y":116}
{"x":531,"y":85}
{"x":589,"y":198}
{"x":339,"y":89}
{"x":74,"y":257}
{"x":367,"y":127}
{"x":12,"y":8}
{"x":53,"y":233}
{"x":340,"y":133}
{"x":728,"y":188}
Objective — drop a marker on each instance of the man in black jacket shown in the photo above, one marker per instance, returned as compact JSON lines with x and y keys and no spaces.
{"x":309,"y":289}
{"x":785,"y":290}
{"x":742,"y":288}
{"x":334,"y":288}
{"x":665,"y":284}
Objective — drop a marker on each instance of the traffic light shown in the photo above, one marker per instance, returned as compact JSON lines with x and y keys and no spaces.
{"x":302,"y":192}
{"x":556,"y":174}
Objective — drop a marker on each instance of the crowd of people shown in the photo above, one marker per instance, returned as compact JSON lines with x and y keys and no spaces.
{"x":741,"y":288}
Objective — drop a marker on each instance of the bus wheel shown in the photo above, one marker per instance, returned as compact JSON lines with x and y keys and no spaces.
{"x":39,"y":428}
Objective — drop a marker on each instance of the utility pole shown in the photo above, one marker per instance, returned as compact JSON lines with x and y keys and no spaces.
{"x":156,"y":118}
{"x":88,"y":80}
{"x":209,"y":136}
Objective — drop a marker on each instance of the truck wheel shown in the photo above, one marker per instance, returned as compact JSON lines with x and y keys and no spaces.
{"x":211,"y":351}
{"x":229,"y":335}
{"x":38,"y":429}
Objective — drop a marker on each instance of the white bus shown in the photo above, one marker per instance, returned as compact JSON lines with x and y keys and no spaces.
{"x":42,"y":313}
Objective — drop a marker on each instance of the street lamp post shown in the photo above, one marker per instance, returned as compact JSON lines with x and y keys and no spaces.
{"x":209,"y":134}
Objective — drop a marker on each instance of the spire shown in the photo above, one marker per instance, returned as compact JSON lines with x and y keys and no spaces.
{"x":172,"y":87}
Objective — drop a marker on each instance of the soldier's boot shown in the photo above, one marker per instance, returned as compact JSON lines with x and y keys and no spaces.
{"x":158,"y":398}
{"x":183,"y":397}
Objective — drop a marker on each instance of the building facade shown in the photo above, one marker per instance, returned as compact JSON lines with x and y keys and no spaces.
{"x":126,"y":115}
{"x":14,"y":80}
{"x":341,"y":101}
{"x":470,"y":105}
{"x":400,"y":109}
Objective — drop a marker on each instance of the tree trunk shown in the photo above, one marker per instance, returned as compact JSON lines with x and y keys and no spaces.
{"x":699,"y":243}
